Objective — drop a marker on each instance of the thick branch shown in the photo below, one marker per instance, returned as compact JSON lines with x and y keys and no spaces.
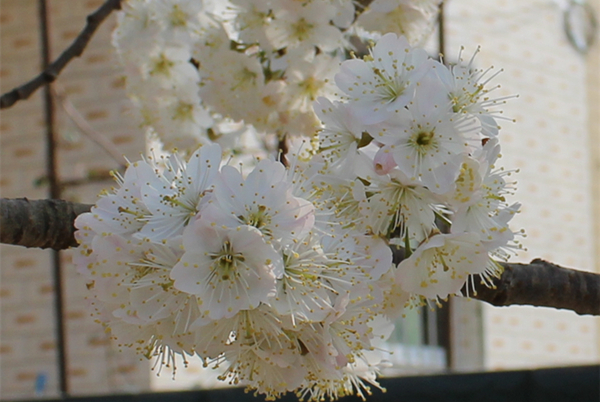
{"x":544,"y":284}
{"x":39,"y":223}
{"x":75,"y":50}
{"x":49,"y":224}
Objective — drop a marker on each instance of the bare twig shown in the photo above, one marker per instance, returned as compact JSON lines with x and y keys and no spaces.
{"x":92,"y":176}
{"x":75,"y":50}
{"x":49,"y":224}
{"x":360,"y":7}
{"x":86,"y":128}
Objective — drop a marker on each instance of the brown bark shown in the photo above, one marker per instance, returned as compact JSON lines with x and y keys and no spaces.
{"x":544,"y":284}
{"x":39,"y":223}
{"x":75,"y":50}
{"x":49,"y":224}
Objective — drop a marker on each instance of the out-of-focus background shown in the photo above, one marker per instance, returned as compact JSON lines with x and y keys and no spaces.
{"x":555,"y":144}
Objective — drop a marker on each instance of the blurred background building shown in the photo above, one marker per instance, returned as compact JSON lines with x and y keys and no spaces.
{"x":555,"y":144}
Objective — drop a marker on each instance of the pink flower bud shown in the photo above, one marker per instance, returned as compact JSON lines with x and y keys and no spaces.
{"x":384,"y":161}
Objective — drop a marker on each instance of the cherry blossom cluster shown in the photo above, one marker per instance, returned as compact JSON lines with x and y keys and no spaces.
{"x":248,"y":272}
{"x":414,"y":146}
{"x":193,"y":66}
{"x":283,"y":275}
{"x":280,"y":271}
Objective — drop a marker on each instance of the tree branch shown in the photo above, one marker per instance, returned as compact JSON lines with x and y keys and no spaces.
{"x":543,"y":284}
{"x":49,"y":224}
{"x":75,"y":50}
{"x":39,"y":223}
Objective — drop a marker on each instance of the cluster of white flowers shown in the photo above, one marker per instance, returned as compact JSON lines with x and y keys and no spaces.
{"x":415,"y":144}
{"x":281,"y":272}
{"x":195,"y":258}
{"x":193,"y":65}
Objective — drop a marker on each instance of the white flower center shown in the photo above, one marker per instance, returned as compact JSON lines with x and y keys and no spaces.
{"x":301,"y":29}
{"x":260,"y":219}
{"x":178,"y":17}
{"x":162,"y":65}
{"x":226,"y":260}
{"x":390,"y":88}
{"x":424,"y":141}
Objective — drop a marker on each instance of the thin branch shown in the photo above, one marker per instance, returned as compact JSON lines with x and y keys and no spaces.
{"x":86,"y":128}
{"x":92,"y":176}
{"x":360,"y":6}
{"x":75,"y":50}
{"x":49,"y":224}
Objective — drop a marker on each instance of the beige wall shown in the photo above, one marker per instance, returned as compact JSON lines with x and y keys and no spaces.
{"x":27,"y":342}
{"x":550,"y":144}
{"x":593,"y":76}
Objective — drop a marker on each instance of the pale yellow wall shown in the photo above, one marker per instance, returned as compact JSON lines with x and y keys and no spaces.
{"x":550,"y":144}
{"x":27,"y":341}
{"x":593,"y":71}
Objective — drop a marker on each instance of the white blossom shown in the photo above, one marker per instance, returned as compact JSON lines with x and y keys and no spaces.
{"x":397,"y":205}
{"x":428,"y":142}
{"x":466,"y":86}
{"x":304,"y":25}
{"x":385,"y":81}
{"x":440,"y":266}
{"x":228,"y":270}
{"x":122,"y":212}
{"x":341,"y":135}
{"x":263,"y":200}
{"x":176,"y":194}
{"x":413,"y":19}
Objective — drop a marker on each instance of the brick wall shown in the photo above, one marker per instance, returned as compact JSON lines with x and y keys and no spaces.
{"x":93,"y":85}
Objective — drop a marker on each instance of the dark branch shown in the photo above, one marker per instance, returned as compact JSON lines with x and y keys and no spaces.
{"x":544,"y":284}
{"x":75,"y":50}
{"x":360,"y":7}
{"x":39,"y":223}
{"x":49,"y":224}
